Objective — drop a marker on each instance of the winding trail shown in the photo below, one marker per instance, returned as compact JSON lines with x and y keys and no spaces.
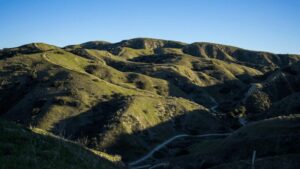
{"x":159,"y":165}
{"x":160,"y":146}
{"x":251,"y":90}
{"x":287,"y":82}
{"x":213,"y":108}
{"x":253,"y":87}
{"x":142,"y":166}
{"x":243,"y":122}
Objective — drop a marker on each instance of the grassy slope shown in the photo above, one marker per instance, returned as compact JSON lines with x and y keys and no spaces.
{"x":260,"y":60}
{"x":121,"y":97}
{"x":188,"y":77}
{"x":24,"y":148}
{"x":62,"y":97}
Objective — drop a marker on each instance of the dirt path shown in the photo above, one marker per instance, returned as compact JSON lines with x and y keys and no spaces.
{"x":160,"y":146}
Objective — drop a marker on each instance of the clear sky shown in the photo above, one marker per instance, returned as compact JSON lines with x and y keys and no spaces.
{"x":268,"y":25}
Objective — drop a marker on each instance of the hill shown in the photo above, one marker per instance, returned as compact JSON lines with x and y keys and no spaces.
{"x":126,"y":98}
{"x":35,"y":148}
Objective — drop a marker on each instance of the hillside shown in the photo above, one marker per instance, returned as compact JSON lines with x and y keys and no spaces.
{"x":126,"y":98}
{"x":272,"y":139}
{"x":34,"y":148}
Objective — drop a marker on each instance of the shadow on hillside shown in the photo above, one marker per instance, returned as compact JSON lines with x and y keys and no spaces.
{"x":21,"y":146}
{"x":132,"y":146}
{"x":228,"y":94}
{"x":269,"y":138}
{"x":92,"y":122}
{"x":91,"y":125}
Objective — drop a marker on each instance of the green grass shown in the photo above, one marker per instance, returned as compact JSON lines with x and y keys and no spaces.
{"x":70,"y":87}
{"x":129,"y":96}
{"x":129,"y":53}
{"x":34,"y":148}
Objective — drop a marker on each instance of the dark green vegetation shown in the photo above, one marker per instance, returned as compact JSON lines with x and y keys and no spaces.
{"x":35,"y":148}
{"x":125,"y":98}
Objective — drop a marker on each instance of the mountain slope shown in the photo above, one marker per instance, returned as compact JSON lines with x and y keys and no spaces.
{"x":25,"y":148}
{"x":273,"y":138}
{"x":126,"y":98}
{"x":57,"y":91}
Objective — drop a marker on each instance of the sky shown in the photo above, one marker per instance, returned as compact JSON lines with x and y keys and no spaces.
{"x":264,"y":25}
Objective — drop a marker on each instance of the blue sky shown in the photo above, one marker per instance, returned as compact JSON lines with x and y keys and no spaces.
{"x":268,"y":25}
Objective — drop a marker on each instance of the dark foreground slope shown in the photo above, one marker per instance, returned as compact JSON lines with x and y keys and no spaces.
{"x":128,"y":97}
{"x":34,"y":148}
{"x":274,"y":141}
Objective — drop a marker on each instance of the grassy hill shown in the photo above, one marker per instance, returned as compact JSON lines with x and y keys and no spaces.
{"x":127,"y":97}
{"x":35,"y":148}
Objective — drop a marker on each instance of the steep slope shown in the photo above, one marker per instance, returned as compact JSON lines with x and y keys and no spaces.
{"x":277,"y":94}
{"x":34,"y":148}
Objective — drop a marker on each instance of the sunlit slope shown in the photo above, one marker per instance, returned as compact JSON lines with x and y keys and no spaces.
{"x":126,"y":98}
{"x":82,"y":98}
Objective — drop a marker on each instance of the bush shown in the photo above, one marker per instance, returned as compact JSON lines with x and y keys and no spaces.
{"x":259,"y":102}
